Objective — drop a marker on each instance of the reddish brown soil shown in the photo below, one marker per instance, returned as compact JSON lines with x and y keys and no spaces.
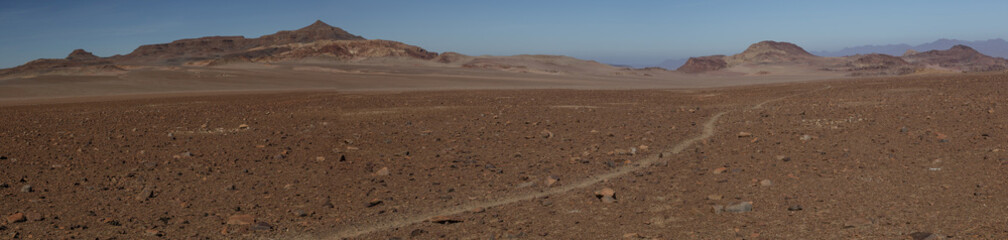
{"x":881,"y":158}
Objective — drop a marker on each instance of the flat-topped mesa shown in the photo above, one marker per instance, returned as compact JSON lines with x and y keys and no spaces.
{"x":771,"y":52}
{"x":81,"y":55}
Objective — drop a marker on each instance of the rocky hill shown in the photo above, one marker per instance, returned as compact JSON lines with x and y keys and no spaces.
{"x":318,"y":41}
{"x":771,"y":52}
{"x":703,"y":64}
{"x":777,"y":55}
{"x":958,"y":58}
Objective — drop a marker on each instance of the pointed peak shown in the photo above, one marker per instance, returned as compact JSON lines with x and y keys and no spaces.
{"x":80,"y":54}
{"x":318,"y":24}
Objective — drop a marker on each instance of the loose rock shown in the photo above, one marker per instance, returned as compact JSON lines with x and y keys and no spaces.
{"x":300,"y":213}
{"x":739,"y":207}
{"x":374,"y":202}
{"x":795,"y":208}
{"x":546,"y":134}
{"x":241,"y":219}
{"x":550,"y":180}
{"x":445,"y":220}
{"x":152,"y":232}
{"x":27,"y":188}
{"x":384,"y":171}
{"x":924,"y":236}
{"x":783,"y":158}
{"x":744,"y":134}
{"x":766,"y":183}
{"x":16,"y":218}
{"x":714,"y":197}
{"x":144,"y":194}
{"x":606,"y":195}
{"x":805,"y":137}
{"x":719,"y":170}
{"x":261,"y":226}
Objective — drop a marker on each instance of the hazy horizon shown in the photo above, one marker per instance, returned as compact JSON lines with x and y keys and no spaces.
{"x":644,"y":33}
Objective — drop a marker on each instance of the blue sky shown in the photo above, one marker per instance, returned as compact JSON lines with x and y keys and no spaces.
{"x":624,"y":32}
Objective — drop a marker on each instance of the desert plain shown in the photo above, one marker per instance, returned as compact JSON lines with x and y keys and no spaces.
{"x":520,"y":147}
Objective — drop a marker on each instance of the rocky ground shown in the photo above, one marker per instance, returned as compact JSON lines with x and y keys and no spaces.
{"x":896,"y":158}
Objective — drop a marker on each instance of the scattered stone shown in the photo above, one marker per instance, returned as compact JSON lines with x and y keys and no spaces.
{"x":633,"y":236}
{"x":374,"y":202}
{"x":231,"y":187}
{"x":16,"y":218}
{"x":150,"y":165}
{"x":857,"y":222}
{"x":550,"y":180}
{"x":328,"y":204}
{"x":241,"y":219}
{"x":154,"y":233}
{"x":766,"y":183}
{"x":805,"y":137}
{"x":546,"y":134}
{"x":607,"y":195}
{"x":144,"y":194}
{"x":924,"y":236}
{"x":4,"y":185}
{"x":719,"y":170}
{"x":739,"y":207}
{"x":34,"y":216}
{"x":783,"y":158}
{"x":243,"y":126}
{"x":261,"y":226}
{"x":904,"y":129}
{"x":525,"y":184}
{"x":445,"y":220}
{"x":384,"y":171}
{"x":795,"y":208}
{"x":717,"y":208}
{"x":714,"y":197}
{"x":299,"y":213}
{"x":417,"y":232}
{"x":27,"y":188}
{"x":744,"y":134}
{"x":320,"y":159}
{"x":111,"y":221}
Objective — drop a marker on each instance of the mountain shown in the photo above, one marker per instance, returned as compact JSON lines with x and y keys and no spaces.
{"x":761,"y":53}
{"x":771,"y":52}
{"x":958,"y":58}
{"x":766,"y":57}
{"x":318,"y":42}
{"x":993,"y":47}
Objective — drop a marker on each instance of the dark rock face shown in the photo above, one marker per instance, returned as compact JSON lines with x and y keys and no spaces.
{"x":81,"y":55}
{"x":703,"y":64}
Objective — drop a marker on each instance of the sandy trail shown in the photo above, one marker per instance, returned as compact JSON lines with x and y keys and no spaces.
{"x":354,"y":231}
{"x":707,"y":132}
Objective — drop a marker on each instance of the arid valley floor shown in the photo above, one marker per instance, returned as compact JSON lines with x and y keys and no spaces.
{"x":870,"y":158}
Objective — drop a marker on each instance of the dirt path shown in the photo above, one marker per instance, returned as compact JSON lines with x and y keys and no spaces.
{"x":707,"y":132}
{"x":354,"y":231}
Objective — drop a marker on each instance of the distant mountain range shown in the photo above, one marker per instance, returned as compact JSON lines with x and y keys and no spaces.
{"x":318,"y":43}
{"x":769,"y":57}
{"x":994,"y":47}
